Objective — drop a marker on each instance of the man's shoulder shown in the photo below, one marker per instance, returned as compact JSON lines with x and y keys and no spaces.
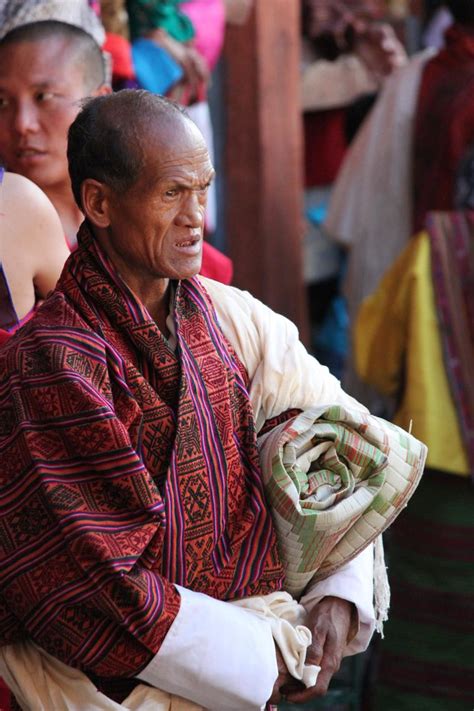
{"x":220,"y":293}
{"x":56,"y":340}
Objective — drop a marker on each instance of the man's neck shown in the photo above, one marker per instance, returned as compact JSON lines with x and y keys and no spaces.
{"x":156,"y":299}
{"x":69,"y":214}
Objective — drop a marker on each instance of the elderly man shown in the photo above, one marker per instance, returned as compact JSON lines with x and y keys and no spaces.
{"x":132,"y":507}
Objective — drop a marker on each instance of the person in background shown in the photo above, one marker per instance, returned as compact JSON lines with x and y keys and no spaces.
{"x":164,"y":22}
{"x":51,"y":60}
{"x":402,"y":165}
{"x":48,"y":67}
{"x":347,"y":54}
{"x":32,"y":255}
{"x":414,"y":342}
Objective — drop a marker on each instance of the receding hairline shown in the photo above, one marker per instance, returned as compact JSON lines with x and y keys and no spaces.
{"x":156,"y":121}
{"x":138,"y":109}
{"x":112,"y":136}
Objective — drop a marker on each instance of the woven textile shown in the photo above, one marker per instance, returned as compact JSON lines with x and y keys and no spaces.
{"x":42,"y":683}
{"x":452,"y":256}
{"x":427,"y":656}
{"x":335,"y":479}
{"x":124,"y":467}
{"x":445,"y":98}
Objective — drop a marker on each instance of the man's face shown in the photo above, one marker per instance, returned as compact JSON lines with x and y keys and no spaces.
{"x":156,"y":228}
{"x":39,"y":92}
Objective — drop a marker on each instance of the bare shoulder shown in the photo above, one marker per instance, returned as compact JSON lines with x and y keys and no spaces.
{"x":16,"y":189}
{"x":33,"y":248}
{"x":28,"y":212}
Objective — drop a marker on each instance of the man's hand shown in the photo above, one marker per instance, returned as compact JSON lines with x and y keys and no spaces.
{"x":331,"y":625}
{"x":283,"y":679}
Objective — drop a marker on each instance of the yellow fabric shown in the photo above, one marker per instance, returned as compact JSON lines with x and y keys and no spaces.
{"x":398,"y":349}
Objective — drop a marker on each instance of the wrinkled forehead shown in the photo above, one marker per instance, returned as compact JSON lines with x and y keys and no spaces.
{"x":173,"y":142}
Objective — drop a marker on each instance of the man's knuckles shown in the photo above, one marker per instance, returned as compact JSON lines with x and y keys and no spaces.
{"x":331,"y":663}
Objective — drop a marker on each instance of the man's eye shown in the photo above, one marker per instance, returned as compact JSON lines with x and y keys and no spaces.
{"x":3,"y":102}
{"x":204,"y":190}
{"x":171,"y":193}
{"x":44,"y":96}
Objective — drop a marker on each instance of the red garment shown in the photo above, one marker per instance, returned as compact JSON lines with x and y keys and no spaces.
{"x":4,"y":336}
{"x":121,"y":53}
{"x":452,"y":258}
{"x":125,"y":467}
{"x":325,"y":146}
{"x":444,"y":124}
{"x":216,"y":265}
{"x":5,"y":697}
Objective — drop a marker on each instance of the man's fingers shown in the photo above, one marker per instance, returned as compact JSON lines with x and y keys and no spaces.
{"x":331,"y":664}
{"x":315,"y":651}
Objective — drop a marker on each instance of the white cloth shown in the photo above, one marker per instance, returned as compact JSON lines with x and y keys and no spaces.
{"x":71,"y":12}
{"x":329,"y":85}
{"x":42,"y":683}
{"x":219,"y":655}
{"x":371,"y":208}
{"x":282,"y":373}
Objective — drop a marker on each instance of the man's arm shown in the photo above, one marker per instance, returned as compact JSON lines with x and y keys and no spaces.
{"x":283,"y":375}
{"x":353,"y":582}
{"x":219,"y":655}
{"x":341,"y":619}
{"x":82,"y":513}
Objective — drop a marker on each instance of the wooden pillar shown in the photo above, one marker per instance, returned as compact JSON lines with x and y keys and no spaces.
{"x":264,"y":157}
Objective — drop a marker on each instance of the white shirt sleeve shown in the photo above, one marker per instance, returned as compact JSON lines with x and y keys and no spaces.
{"x":352,"y":582}
{"x":218,"y":655}
{"x":282,"y":373}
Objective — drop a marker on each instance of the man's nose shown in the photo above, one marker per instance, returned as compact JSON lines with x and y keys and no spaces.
{"x":25,"y":118}
{"x":193,"y":210}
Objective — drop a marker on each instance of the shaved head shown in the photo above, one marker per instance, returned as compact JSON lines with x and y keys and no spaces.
{"x":106,"y":141}
{"x":83,"y":50}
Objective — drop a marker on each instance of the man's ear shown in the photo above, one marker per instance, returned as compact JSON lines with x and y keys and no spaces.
{"x":103,"y":90}
{"x":95,"y":197}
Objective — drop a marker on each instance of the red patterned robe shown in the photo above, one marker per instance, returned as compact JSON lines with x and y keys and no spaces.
{"x":125,"y":467}
{"x":444,"y":124}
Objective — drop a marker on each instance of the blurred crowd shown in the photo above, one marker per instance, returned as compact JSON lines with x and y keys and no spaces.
{"x":388,"y":253}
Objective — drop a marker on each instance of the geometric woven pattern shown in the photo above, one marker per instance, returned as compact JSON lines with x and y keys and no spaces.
{"x":125,"y":467}
{"x":335,"y":478}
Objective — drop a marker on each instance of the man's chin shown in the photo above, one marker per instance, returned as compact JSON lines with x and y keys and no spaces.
{"x":191,"y":270}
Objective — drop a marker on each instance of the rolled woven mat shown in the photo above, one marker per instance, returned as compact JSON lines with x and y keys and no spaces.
{"x":335,"y":478}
